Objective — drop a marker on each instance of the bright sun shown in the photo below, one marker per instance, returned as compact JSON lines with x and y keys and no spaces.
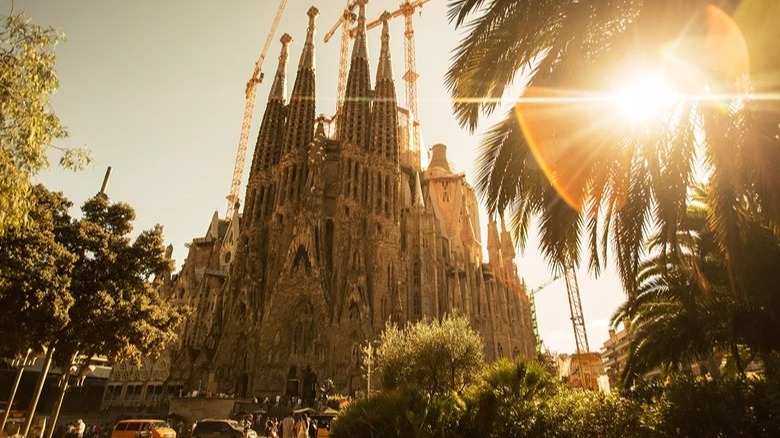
{"x":645,"y":97}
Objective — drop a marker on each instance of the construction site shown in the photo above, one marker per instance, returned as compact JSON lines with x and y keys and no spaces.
{"x":341,"y":231}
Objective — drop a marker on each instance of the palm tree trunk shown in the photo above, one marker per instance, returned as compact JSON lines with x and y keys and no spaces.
{"x":713,"y":365}
{"x":737,"y":359}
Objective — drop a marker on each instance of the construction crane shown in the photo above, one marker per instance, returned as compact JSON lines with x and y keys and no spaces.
{"x":577,"y":321}
{"x":344,"y":22}
{"x":577,"y":318}
{"x":407,"y":9}
{"x":250,"y":93}
{"x":532,"y":304}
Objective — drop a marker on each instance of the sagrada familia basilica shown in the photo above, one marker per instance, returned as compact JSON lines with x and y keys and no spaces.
{"x":341,"y":233}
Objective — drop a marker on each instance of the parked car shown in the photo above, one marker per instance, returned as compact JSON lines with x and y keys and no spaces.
{"x":221,"y":429}
{"x":143,"y":429}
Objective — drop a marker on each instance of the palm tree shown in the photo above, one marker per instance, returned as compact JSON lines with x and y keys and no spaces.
{"x":509,"y":391}
{"x":684,"y":310}
{"x":585,"y":175}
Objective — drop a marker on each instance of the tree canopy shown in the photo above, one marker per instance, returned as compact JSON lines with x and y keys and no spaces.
{"x":566,"y":156}
{"x":435,"y":356}
{"x":99,"y":292}
{"x":28,"y":126}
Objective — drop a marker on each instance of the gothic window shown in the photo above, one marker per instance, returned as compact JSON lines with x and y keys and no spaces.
{"x":417,"y":304}
{"x":500,"y":350}
{"x":416,"y":273}
{"x":354,"y":311}
{"x":355,"y":174}
{"x":356,"y":355}
{"x":384,"y":307}
{"x":296,"y":342}
{"x":378,"y":190}
{"x":364,"y":181}
{"x":302,"y":256}
{"x":515,"y":352}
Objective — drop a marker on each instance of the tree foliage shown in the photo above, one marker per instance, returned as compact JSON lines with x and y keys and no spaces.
{"x":35,"y":275}
{"x":435,"y":356}
{"x":684,"y":309}
{"x":28,"y":126}
{"x":101,"y":297}
{"x":620,"y":183}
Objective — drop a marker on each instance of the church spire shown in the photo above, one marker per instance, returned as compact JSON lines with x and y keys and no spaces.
{"x":353,"y":126}
{"x":507,"y":245}
{"x":279,"y":86}
{"x":384,"y":117}
{"x":267,"y":148}
{"x":300,"y":123}
{"x":418,"y":202}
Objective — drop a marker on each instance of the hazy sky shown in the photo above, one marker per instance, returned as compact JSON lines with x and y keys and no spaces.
{"x":155,"y":88}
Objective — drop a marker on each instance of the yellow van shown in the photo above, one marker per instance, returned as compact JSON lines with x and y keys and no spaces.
{"x":143,"y":429}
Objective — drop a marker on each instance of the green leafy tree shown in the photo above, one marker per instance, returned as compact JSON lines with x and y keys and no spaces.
{"x":35,"y":276}
{"x":435,"y":356}
{"x":620,"y":183}
{"x":117,"y":311}
{"x":28,"y":126}
{"x":84,"y":286}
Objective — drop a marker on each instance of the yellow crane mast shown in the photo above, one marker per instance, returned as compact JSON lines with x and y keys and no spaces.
{"x":577,"y":321}
{"x":407,"y":10}
{"x":249,"y":108}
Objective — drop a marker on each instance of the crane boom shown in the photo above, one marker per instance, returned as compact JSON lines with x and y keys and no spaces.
{"x":532,"y":305}
{"x":249,"y":108}
{"x":577,"y":322}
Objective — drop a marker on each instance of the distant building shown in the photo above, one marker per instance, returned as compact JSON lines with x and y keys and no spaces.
{"x":614,"y":353}
{"x":569,"y":366}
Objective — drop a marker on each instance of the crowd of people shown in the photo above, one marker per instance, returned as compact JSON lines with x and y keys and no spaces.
{"x":291,"y":427}
{"x":79,"y":429}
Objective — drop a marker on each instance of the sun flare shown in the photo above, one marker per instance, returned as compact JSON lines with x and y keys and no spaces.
{"x":645,"y":98}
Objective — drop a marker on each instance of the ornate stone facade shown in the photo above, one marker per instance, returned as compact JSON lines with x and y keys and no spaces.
{"x":341,"y":233}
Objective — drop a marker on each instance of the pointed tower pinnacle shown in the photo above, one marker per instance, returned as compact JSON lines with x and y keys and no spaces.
{"x":507,"y":245}
{"x":494,"y":243}
{"x":385,"y":69}
{"x":269,"y":143}
{"x":300,"y":122}
{"x":279,"y":86}
{"x":307,"y":58}
{"x":384,"y":115}
{"x":417,"y":201}
{"x":353,"y":126}
{"x":360,"y":50}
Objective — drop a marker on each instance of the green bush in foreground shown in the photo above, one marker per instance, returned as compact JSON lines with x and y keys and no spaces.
{"x":521,"y":399}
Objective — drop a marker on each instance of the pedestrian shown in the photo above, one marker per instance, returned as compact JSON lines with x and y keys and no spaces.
{"x":80,"y":428}
{"x":287,"y":426}
{"x":303,"y":427}
{"x":270,"y":432}
{"x":312,"y":428}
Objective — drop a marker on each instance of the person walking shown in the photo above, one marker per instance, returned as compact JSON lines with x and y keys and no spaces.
{"x":287,"y":426}
{"x":303,"y":427}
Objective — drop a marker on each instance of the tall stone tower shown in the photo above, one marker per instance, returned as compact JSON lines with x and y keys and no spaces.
{"x":338,"y":237}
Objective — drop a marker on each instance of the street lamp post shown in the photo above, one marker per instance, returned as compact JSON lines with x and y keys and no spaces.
{"x":19,"y":363}
{"x":80,"y":370}
{"x":38,"y":389}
